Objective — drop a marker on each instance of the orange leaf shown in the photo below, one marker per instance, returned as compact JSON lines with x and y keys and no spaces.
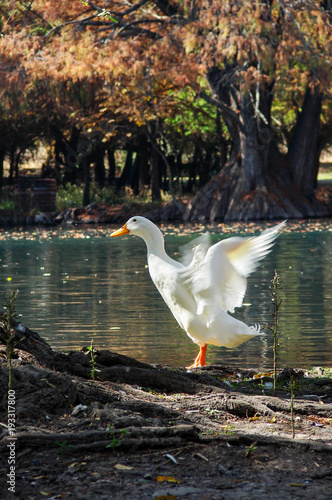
{"x":168,"y":479}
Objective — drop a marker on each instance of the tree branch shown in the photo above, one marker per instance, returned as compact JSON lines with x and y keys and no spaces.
{"x":223,"y":108}
{"x":166,"y":8}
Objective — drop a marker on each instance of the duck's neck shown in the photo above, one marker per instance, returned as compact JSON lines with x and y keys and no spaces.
{"x":155,"y":243}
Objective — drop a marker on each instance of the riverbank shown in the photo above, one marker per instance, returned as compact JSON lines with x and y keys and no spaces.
{"x":141,"y":431}
{"x":105,"y":213}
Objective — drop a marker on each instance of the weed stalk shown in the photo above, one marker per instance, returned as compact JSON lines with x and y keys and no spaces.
{"x":92,"y":361}
{"x":274,"y":290}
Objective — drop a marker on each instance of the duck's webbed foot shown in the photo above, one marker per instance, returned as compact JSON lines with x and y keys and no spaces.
{"x":200,"y":360}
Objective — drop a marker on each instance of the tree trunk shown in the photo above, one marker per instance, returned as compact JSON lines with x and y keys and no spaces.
{"x":255,"y":141}
{"x":222,"y":142}
{"x":155,"y":173}
{"x":155,"y":164}
{"x":111,"y":166}
{"x":71,"y":157}
{"x":2,"y":158}
{"x":127,"y":175}
{"x":252,"y":185}
{"x":86,"y":173}
{"x":17,"y":162}
{"x":143,"y":163}
{"x":100,"y":174}
{"x":11,"y":164}
{"x":247,"y":116}
{"x":304,"y":147}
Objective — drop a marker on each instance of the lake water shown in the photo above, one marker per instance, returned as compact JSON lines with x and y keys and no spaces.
{"x":79,"y":284}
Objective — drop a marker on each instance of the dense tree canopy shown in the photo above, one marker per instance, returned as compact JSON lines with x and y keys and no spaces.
{"x":235,"y":95}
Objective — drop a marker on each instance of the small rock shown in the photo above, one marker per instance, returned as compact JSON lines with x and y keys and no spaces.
{"x":78,"y":409}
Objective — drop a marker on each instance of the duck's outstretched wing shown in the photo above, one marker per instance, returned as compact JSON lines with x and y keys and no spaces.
{"x":195,"y":249}
{"x":219,"y":278}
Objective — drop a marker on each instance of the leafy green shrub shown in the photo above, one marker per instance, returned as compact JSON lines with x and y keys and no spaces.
{"x":7,"y":204}
{"x":69,"y":196}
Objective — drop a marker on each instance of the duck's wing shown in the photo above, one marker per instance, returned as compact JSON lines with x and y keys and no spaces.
{"x":195,"y":249}
{"x":219,"y":279}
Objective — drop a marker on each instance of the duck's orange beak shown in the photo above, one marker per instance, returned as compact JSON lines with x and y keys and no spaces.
{"x":121,"y":231}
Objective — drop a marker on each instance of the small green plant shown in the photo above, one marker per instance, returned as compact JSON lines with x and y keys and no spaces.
{"x":276,"y":300}
{"x":116,"y":440}
{"x":228,"y":430}
{"x":250,"y":449}
{"x":262,"y":386}
{"x":63,"y":445}
{"x":7,"y":331}
{"x":92,"y":361}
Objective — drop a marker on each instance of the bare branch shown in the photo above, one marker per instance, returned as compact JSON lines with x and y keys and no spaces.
{"x":74,"y":21}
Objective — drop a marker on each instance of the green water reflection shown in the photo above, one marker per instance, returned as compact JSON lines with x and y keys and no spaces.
{"x":89,"y":286}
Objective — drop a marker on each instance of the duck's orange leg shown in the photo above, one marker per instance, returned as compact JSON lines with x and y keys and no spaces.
{"x":200,"y":360}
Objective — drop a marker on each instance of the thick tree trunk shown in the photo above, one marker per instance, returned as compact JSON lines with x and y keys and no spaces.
{"x":304,"y":147}
{"x":251,"y":186}
{"x":255,"y":141}
{"x":258,"y":182}
{"x":247,"y":116}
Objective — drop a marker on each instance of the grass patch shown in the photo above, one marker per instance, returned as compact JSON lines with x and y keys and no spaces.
{"x":72,"y":195}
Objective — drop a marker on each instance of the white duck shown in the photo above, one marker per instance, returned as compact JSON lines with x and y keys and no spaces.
{"x":200,"y":294}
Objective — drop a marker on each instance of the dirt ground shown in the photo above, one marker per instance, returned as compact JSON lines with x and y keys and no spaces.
{"x":151,"y":432}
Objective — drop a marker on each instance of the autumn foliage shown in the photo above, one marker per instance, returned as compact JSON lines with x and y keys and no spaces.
{"x":184,"y":87}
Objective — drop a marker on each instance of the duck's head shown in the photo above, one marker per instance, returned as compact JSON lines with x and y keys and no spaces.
{"x":138,"y":226}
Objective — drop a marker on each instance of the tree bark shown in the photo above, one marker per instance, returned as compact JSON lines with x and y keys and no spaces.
{"x":255,"y":140}
{"x":222,"y":142}
{"x":304,"y":147}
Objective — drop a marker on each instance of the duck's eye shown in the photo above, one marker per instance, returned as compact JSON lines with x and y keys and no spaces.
{"x":134,"y":220}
